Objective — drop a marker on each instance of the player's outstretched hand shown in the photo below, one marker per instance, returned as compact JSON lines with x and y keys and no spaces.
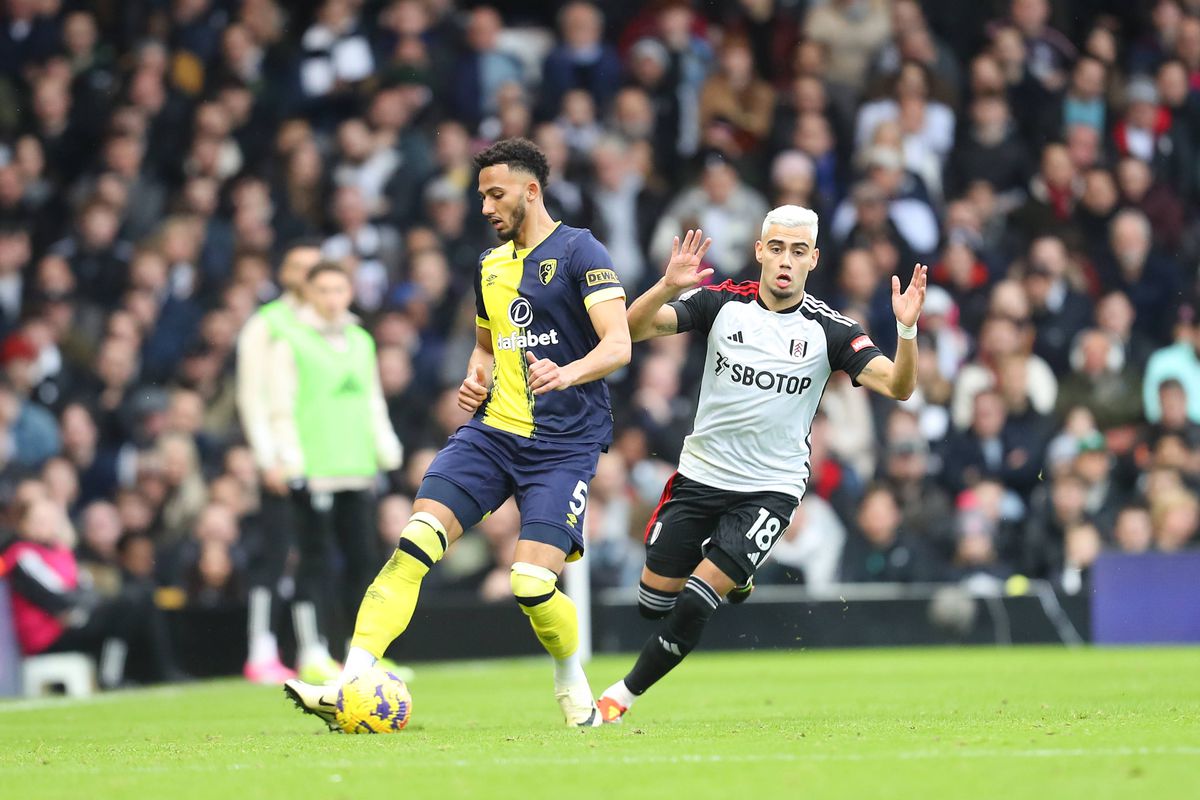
{"x":907,"y":306}
{"x":683,"y":270}
{"x":545,"y":375}
{"x":473,"y":390}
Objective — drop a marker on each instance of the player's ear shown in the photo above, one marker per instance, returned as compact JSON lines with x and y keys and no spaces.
{"x":816,"y":256}
{"x":758,"y":248}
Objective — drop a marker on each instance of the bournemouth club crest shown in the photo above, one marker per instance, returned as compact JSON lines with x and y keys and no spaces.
{"x":546,"y":270}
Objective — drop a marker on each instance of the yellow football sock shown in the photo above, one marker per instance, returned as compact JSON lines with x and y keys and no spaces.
{"x":388,"y":605}
{"x":551,"y":612}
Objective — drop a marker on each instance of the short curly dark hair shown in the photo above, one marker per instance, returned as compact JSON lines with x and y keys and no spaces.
{"x":519,"y":154}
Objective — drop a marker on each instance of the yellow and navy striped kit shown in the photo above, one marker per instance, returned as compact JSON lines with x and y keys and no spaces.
{"x":537,"y":299}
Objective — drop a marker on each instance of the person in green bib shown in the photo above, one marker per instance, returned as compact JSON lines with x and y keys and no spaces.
{"x":331,"y":426}
{"x":268,"y":544}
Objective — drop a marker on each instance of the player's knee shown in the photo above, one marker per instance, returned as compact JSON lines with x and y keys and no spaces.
{"x":652,"y":613}
{"x":423,"y":539}
{"x":532,"y":585}
{"x":655,"y":603}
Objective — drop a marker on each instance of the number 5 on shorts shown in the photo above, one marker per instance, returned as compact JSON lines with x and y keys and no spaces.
{"x":579,"y":498}
{"x":578,"y":503}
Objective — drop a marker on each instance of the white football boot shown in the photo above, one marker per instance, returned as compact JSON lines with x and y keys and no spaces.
{"x":318,"y":700}
{"x":577,"y":705}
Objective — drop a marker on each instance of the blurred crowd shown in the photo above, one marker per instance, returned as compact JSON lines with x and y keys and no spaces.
{"x":158,"y":156}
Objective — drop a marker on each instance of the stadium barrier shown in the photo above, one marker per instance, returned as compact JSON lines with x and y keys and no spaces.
{"x":211,"y":642}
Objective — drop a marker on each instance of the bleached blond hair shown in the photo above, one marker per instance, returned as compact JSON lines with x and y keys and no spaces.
{"x":790,"y":217}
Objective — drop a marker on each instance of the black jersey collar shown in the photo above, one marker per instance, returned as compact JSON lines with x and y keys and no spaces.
{"x":789,"y":310}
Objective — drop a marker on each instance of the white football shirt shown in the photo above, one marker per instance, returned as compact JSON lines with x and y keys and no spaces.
{"x":764,"y":374}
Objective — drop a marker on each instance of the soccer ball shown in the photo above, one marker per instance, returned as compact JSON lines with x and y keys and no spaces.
{"x":375,"y":702}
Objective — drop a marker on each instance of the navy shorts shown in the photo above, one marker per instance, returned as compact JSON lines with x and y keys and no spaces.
{"x":480,"y":467}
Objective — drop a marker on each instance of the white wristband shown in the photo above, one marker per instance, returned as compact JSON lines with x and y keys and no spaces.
{"x":906,"y":331}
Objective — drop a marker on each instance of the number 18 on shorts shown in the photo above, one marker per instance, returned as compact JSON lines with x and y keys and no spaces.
{"x":735,"y":530}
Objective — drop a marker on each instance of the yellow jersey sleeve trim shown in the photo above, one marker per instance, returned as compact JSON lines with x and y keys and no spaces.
{"x":483,"y":323}
{"x":602,"y":295}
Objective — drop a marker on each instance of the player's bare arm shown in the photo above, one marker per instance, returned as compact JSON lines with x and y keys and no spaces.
{"x":897,"y":379}
{"x":612,"y":353}
{"x":650,"y":316}
{"x":474,"y":390}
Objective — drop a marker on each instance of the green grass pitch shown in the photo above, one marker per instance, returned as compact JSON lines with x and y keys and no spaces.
{"x":977,"y":723}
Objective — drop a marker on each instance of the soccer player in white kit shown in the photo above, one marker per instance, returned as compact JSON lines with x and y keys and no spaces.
{"x":745,"y":466}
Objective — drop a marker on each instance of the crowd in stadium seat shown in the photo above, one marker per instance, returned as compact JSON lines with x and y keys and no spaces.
{"x":157,"y":157}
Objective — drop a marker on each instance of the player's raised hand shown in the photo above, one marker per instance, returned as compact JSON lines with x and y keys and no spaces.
{"x":683,"y":270}
{"x":545,"y":375}
{"x":907,"y":306}
{"x":474,"y":390}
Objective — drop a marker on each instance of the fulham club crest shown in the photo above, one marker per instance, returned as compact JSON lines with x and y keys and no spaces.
{"x":799,"y":348}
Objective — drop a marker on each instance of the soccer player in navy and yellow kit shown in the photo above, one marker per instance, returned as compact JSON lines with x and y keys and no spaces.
{"x":550,"y":325}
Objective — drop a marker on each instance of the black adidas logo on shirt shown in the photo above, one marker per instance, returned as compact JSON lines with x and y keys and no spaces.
{"x":735,"y":337}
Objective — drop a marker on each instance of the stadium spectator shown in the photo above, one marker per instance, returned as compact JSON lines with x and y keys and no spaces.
{"x":1176,"y":517}
{"x":1101,"y":381}
{"x":736,"y":105}
{"x":1179,"y":361}
{"x":1002,"y":337}
{"x":877,"y":549}
{"x":54,"y":613}
{"x":1154,"y":198}
{"x":365,"y":163}
{"x":564,"y":194}
{"x":991,"y":151}
{"x":983,"y":536}
{"x":1053,"y":193}
{"x":851,"y":31}
{"x":100,"y":532}
{"x":325,"y":367}
{"x":1134,"y":529}
{"x":483,"y":68}
{"x":581,"y":59}
{"x":993,"y":446}
{"x":372,"y":249}
{"x":721,"y":203}
{"x":1146,"y":132}
{"x":1173,"y":410}
{"x":1083,"y":546}
{"x":906,"y":468}
{"x":618,"y":205}
{"x":1059,"y":311}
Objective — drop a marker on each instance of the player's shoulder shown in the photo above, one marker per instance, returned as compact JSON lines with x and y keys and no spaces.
{"x":829,"y":318}
{"x":578,"y":242}
{"x":725,"y":291}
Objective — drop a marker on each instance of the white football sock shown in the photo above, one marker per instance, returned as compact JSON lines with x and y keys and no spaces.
{"x":358,"y":661}
{"x":620,"y":692}
{"x":112,"y":662}
{"x":312,"y":649}
{"x":569,"y":671}
{"x":263,"y":647}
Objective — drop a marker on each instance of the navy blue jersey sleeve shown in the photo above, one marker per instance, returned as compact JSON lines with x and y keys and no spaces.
{"x":481,"y":315}
{"x":591,"y":267}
